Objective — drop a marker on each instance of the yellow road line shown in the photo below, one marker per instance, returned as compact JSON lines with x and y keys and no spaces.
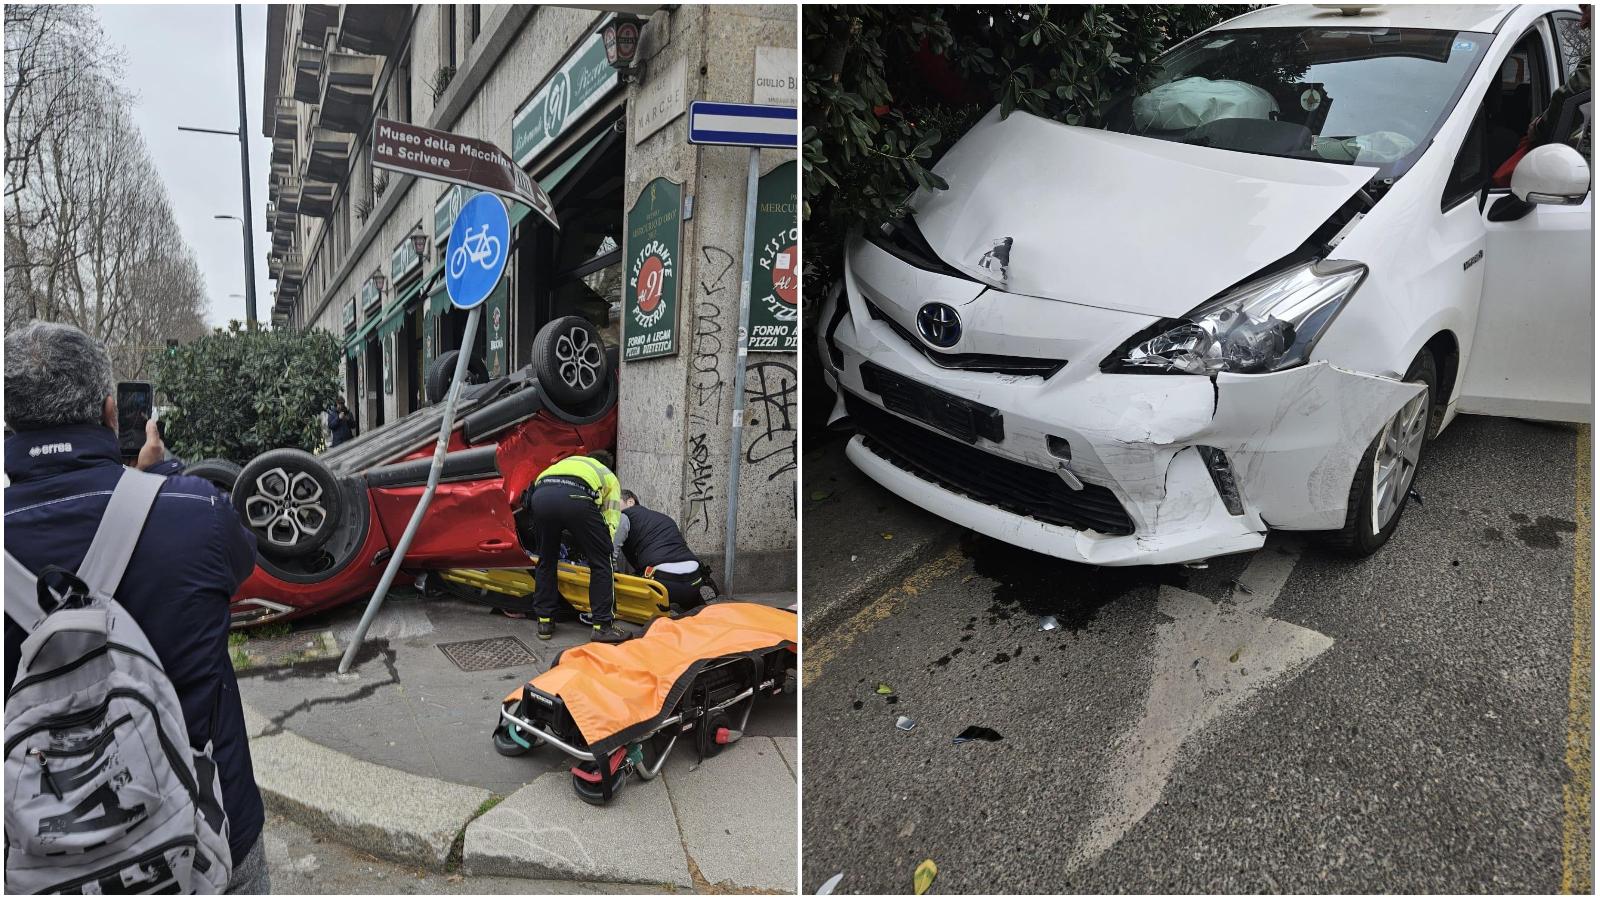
{"x":1577,"y":795}
{"x":819,"y":650}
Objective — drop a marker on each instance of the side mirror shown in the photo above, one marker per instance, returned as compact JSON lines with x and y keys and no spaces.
{"x":1553,"y":173}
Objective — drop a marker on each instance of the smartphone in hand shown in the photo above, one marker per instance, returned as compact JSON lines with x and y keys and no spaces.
{"x":135,"y":406}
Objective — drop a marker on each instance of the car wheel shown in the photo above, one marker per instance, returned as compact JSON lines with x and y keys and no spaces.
{"x":1383,"y":482}
{"x":220,"y":472}
{"x":569,"y":359}
{"x":443,"y":369}
{"x":290,"y":500}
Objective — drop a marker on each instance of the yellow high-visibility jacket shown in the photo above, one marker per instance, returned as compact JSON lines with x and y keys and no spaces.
{"x":607,"y":489}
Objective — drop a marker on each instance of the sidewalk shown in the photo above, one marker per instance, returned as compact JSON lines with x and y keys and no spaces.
{"x":395,"y":760}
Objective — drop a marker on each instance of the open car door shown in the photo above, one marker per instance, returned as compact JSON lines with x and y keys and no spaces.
{"x":1533,"y":351}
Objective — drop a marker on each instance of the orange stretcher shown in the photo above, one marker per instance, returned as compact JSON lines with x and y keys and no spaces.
{"x":619,"y":709}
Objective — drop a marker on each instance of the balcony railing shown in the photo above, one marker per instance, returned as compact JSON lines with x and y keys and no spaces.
{"x":319,"y":17}
{"x":348,"y":80}
{"x":293,"y":269}
{"x":374,"y":28}
{"x":307,"y":72}
{"x":287,"y":195}
{"x":316,"y":198}
{"x":328,"y":155}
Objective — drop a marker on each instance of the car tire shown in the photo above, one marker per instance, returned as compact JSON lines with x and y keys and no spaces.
{"x":571,"y":363}
{"x":222,"y":474}
{"x":291,"y":500}
{"x":443,"y":369}
{"x":1362,"y":535}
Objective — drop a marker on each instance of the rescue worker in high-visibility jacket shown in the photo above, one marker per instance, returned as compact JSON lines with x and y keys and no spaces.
{"x":578,"y":496}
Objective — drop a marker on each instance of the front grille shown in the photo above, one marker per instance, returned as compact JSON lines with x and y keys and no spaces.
{"x":1026,"y":366}
{"x":992,"y":480}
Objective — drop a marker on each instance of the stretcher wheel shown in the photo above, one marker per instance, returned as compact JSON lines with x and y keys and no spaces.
{"x":593,"y":785}
{"x":507,"y":743}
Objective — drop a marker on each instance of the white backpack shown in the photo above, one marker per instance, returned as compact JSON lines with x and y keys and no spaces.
{"x":104,"y":795}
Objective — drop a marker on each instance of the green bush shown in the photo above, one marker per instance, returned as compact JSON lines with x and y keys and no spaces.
{"x":876,"y":121}
{"x":236,"y":393}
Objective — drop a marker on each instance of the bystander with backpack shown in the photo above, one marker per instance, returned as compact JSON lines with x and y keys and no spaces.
{"x":123,"y":720}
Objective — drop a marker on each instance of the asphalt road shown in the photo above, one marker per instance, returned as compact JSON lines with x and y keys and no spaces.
{"x":1400,"y":723}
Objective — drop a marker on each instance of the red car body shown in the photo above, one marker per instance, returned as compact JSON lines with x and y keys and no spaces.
{"x":470,"y":522}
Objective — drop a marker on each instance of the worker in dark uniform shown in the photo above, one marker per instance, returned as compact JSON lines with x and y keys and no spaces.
{"x":580,"y":497}
{"x":655,"y":547}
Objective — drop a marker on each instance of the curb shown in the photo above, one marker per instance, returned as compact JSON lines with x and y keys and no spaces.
{"x":383,"y":811}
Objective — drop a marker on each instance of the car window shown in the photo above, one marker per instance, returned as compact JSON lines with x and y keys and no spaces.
{"x":1469,"y":174}
{"x":1351,"y":95}
{"x":1572,"y":41}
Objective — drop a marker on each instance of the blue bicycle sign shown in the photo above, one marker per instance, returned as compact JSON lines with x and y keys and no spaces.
{"x":479,"y":248}
{"x":475,"y":255}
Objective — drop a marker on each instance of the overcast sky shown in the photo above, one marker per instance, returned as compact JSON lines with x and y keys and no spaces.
{"x":181,"y":67}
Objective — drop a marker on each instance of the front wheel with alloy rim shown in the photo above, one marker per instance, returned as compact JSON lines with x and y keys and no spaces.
{"x":1389,"y":467}
{"x":290,"y":500}
{"x":569,"y":358}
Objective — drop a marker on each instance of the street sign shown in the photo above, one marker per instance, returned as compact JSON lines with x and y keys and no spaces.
{"x":475,"y":257}
{"x":443,"y":156}
{"x":743,"y":125}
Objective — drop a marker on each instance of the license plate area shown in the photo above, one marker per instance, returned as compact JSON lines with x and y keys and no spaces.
{"x":962,"y":419}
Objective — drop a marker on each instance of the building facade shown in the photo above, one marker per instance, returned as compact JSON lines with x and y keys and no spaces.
{"x":358,"y":251}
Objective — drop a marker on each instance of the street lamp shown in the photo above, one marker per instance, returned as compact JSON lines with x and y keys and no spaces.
{"x":419,"y":244}
{"x":244,"y":169}
{"x":620,"y":34}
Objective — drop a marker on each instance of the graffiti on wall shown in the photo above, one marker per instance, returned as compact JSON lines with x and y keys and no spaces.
{"x":706,"y":389}
{"x":769,"y":390}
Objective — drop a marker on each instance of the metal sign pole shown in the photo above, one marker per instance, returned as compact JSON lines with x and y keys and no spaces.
{"x":737,"y":451}
{"x":445,"y":427}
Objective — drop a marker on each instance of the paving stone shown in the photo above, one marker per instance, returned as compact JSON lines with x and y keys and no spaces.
{"x":545,"y":831}
{"x":738,"y":815}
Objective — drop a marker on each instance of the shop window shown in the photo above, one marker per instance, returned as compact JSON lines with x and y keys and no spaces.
{"x":587,"y":271}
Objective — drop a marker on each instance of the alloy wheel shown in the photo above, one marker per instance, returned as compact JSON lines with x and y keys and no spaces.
{"x":1394,"y":462}
{"x":286,"y":509}
{"x":578,"y":359}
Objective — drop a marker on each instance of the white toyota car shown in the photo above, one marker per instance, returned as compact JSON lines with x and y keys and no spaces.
{"x":1246,"y":303}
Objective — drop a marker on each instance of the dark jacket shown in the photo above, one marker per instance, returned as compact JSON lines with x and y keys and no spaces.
{"x":653,"y":538}
{"x":191,"y":557}
{"x":341,"y":427}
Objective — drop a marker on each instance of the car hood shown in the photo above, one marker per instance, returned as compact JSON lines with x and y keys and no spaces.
{"x":1117,"y":221}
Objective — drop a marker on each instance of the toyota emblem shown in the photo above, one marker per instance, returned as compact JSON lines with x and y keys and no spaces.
{"x":939,"y":324}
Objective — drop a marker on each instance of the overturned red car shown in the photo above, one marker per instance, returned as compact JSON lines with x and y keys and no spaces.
{"x":325,"y":524}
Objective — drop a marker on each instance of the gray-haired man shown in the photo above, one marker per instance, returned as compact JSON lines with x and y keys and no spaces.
{"x":63,"y":461}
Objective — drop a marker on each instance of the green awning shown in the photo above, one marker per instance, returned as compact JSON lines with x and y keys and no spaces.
{"x":391,"y":320}
{"x":558,"y":175}
{"x":358,"y":341}
{"x":439,"y":300}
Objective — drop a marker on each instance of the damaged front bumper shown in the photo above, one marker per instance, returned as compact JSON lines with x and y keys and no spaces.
{"x":1174,"y":451}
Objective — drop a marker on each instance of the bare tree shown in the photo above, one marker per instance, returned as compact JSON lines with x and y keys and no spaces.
{"x":90,"y":237}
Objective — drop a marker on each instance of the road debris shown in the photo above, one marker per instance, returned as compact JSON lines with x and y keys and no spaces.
{"x":1048,"y":623}
{"x":922,"y":878}
{"x":1415,"y":495}
{"x":905,"y":723}
{"x":1242,"y":586}
{"x":829,"y":885}
{"x":977,"y":733}
{"x":884,"y":688}
{"x":888,"y":536}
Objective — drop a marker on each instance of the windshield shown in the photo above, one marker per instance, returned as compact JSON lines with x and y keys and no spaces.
{"x":1366,"y":96}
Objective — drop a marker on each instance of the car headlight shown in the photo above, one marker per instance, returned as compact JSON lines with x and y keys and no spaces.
{"x":1263,"y":326}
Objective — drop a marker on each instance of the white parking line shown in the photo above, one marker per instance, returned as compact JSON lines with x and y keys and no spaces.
{"x":1208,"y":660}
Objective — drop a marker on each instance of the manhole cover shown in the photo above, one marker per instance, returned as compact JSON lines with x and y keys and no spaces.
{"x":489,"y":653}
